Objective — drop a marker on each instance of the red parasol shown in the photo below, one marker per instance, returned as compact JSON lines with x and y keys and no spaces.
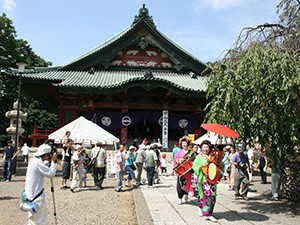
{"x":220,"y":129}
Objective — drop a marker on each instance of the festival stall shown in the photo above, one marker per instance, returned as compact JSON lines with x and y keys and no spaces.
{"x":84,"y":131}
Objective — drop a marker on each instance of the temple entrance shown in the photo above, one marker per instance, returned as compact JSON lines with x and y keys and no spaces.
{"x":144,"y":129}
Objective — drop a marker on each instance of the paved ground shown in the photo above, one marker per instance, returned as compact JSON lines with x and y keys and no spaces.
{"x":161,"y":204}
{"x":89,"y":206}
{"x":147,"y":206}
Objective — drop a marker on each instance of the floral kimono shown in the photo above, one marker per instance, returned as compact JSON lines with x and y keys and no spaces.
{"x":206,"y":190}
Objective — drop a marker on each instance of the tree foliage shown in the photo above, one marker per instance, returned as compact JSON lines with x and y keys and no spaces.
{"x":255,"y":88}
{"x":13,"y":50}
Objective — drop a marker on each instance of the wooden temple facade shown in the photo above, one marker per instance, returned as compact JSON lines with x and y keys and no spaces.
{"x":125,"y":84}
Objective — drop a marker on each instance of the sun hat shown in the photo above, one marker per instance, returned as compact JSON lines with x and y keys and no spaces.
{"x":159,"y":145}
{"x":78,"y":147}
{"x":153,"y":146}
{"x":227,"y":147}
{"x":132,"y":147}
{"x":43,"y":149}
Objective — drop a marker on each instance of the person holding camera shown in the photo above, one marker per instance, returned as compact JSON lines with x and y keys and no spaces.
{"x":38,"y":168}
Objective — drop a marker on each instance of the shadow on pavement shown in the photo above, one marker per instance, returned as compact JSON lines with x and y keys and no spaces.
{"x":274,"y":207}
{"x":163,"y":186}
{"x":235,"y":216}
{"x":9,"y":198}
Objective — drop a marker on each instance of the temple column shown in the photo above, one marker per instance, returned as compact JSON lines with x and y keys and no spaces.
{"x":124,"y":130}
{"x":35,"y":131}
{"x":198,"y":132}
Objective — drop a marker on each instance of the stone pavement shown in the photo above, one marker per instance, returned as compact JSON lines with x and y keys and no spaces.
{"x":162,"y":204}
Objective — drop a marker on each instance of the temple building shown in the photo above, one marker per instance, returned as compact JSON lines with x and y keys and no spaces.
{"x":126,"y":84}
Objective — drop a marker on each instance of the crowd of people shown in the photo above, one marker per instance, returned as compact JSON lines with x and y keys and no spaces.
{"x":232,"y":164}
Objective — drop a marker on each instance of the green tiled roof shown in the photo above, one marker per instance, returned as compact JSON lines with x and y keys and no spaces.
{"x":104,"y":79}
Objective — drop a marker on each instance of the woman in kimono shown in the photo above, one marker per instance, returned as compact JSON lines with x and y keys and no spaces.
{"x":184,"y":183}
{"x":206,"y":190}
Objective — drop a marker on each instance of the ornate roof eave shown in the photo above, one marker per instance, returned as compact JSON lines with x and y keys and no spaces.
{"x":149,"y":84}
{"x":112,"y":79}
{"x":115,"y":78}
{"x":37,"y":76}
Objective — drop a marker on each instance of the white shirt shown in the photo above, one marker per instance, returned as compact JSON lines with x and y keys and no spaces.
{"x":35,"y":174}
{"x":79,"y":160}
{"x":101,"y":158}
{"x":250,"y":154}
{"x":163,"y":162}
{"x":25,"y":150}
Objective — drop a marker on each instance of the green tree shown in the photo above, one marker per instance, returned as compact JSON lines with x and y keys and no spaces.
{"x":255,"y":88}
{"x":13,"y":50}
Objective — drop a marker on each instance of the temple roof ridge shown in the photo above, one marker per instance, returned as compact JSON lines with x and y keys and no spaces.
{"x":143,"y":15}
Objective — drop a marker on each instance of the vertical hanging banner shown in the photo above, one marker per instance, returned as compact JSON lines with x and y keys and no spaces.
{"x":165,"y":127}
{"x":111,"y":163}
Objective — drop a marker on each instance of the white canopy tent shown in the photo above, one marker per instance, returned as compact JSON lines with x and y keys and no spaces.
{"x":84,"y":131}
{"x":215,"y":139}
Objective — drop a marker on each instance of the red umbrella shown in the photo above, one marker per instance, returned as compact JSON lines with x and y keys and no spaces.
{"x":220,"y":129}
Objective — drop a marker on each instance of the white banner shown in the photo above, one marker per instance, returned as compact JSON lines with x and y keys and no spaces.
{"x":165,"y":127}
{"x":111,"y":163}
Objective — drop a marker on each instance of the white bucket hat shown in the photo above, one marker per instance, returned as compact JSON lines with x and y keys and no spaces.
{"x":132,"y":147}
{"x":78,"y":147}
{"x":43,"y":149}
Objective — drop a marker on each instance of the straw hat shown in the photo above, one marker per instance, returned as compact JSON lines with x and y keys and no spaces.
{"x":132,"y":147}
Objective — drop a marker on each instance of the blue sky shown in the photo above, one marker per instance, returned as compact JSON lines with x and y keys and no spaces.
{"x":61,"y":30}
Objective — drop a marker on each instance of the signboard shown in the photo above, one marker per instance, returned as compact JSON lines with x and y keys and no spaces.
{"x":111,"y":163}
{"x":191,"y":137}
{"x":165,"y":127}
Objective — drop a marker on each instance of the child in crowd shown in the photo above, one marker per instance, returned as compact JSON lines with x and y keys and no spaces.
{"x":163,"y":164}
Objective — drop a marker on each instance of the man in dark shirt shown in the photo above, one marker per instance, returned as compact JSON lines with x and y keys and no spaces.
{"x":9,"y":154}
{"x":241,"y":176}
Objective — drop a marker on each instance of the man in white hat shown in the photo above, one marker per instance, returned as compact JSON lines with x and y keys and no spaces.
{"x":36,"y":171}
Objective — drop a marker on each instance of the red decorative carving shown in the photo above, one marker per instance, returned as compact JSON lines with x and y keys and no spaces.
{"x":135,"y":56}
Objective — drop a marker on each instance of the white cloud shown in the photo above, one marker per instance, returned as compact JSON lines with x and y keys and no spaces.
{"x":8,"y":5}
{"x":220,"y":4}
